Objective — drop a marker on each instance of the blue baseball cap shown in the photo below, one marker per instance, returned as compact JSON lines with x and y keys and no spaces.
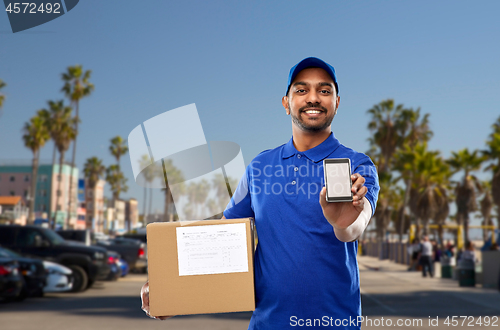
{"x":311,"y":62}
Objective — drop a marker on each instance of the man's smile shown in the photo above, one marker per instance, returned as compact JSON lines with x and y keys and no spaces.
{"x":313,"y":112}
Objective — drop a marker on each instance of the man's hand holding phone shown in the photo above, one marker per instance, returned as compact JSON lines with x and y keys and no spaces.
{"x":342,"y":214}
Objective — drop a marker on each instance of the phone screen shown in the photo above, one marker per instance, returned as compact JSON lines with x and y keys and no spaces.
{"x":338,"y":180}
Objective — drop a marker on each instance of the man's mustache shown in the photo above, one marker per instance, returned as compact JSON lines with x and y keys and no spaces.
{"x":310,"y":105}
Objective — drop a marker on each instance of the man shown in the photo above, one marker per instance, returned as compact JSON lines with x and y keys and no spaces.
{"x":306,"y":272}
{"x":426,"y":257}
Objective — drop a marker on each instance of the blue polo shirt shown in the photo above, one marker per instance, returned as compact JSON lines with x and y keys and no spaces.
{"x":304,"y":276}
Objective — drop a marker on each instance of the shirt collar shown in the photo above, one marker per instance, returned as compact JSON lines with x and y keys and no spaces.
{"x":315,"y":154}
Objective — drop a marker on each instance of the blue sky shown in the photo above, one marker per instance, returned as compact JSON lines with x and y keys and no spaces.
{"x":232,"y":59}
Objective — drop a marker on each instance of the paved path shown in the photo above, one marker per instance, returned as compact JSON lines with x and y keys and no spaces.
{"x":391,"y":293}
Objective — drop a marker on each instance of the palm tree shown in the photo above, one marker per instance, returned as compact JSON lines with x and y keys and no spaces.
{"x":386,"y":198}
{"x":116,"y":180}
{"x":61,"y":127}
{"x":384,"y":125}
{"x":2,"y":96}
{"x":466,"y":189}
{"x":197,"y":194}
{"x":443,"y":210}
{"x":147,"y":174}
{"x":486,"y":206}
{"x":93,"y":171}
{"x":412,"y":129}
{"x":428,"y":197}
{"x":35,"y":135}
{"x":493,"y":154}
{"x":118,"y":148}
{"x":174,"y":176}
{"x":76,"y":86}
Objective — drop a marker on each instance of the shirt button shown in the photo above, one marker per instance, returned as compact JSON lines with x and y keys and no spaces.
{"x":294,"y":182}
{"x":299,"y":155}
{"x":296,"y":169}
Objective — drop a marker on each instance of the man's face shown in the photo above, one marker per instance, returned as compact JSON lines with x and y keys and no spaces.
{"x":312,"y":100}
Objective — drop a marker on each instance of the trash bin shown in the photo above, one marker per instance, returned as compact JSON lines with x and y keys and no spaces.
{"x":466,"y":273}
{"x":447,"y":264}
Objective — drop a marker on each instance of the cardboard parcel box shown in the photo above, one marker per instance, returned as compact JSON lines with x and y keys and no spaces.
{"x":198,"y":267}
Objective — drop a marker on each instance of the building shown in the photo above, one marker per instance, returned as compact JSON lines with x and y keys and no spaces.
{"x":115,"y":216}
{"x":131,"y":214}
{"x":15,"y":180}
{"x":94,"y":204}
{"x":13,"y":210}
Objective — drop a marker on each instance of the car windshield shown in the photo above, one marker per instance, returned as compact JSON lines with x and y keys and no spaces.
{"x":6,"y":253}
{"x":53,"y":237}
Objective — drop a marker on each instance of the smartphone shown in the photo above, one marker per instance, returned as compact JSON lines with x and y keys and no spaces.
{"x":338,"y":179}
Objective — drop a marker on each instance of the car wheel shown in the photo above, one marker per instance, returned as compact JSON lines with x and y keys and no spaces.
{"x":90,"y":283}
{"x":39,"y":293}
{"x":80,"y":278}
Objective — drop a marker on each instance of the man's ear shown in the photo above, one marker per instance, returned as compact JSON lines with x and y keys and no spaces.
{"x":338,"y":102}
{"x":284,"y":101}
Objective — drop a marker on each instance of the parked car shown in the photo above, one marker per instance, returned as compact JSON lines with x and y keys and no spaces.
{"x":11,"y":280}
{"x":88,"y":263}
{"x":123,"y":266}
{"x":116,"y":271}
{"x":59,"y":278}
{"x":132,"y":250}
{"x":139,"y":236}
{"x":82,"y":236}
{"x":32,"y":271}
{"x":99,"y":237}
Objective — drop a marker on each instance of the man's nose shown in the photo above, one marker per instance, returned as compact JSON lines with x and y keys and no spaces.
{"x":312,"y":97}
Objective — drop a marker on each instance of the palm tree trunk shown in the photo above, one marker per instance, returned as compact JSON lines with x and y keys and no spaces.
{"x":96,"y":216}
{"x":70,"y":199}
{"x":485,"y":222}
{"x":418,"y":228}
{"x":169,"y":216}
{"x":440,"y":235}
{"x":150,"y":201}
{"x":144,"y":217}
{"x":466,"y":227}
{"x":426,"y":226}
{"x":402,"y":217}
{"x":171,"y":206}
{"x":58,"y":191}
{"x":34,"y":172}
{"x":52,"y":171}
{"x":165,"y":206}
{"x":54,"y":154}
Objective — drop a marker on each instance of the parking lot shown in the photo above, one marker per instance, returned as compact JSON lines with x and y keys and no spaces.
{"x":388,"y":291}
{"x":106,"y":305}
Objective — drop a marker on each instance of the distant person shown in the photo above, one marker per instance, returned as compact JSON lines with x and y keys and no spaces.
{"x":448,"y":255}
{"x":425,"y":257}
{"x":469,"y":253}
{"x":450,"y":250}
{"x":436,"y":251}
{"x":494,"y":247}
{"x":414,"y":251}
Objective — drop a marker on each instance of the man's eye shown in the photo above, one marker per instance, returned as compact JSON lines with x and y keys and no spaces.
{"x":300,"y":90}
{"x":325,"y":91}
